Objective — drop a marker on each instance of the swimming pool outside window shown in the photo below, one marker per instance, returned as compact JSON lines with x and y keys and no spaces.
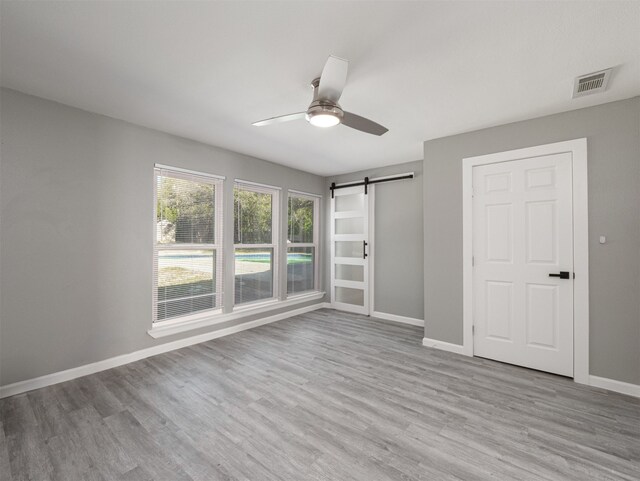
{"x":188,"y":271}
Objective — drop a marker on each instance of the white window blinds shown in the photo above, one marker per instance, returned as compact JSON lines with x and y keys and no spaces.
{"x":188,"y":259}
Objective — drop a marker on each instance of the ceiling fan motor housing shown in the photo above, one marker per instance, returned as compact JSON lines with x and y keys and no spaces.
{"x":322,"y":106}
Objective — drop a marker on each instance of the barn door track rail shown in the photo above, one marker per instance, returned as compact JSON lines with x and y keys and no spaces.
{"x":367,"y":182}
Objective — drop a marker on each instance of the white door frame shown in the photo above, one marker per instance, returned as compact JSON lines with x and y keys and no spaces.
{"x":372,"y":247}
{"x":578,"y":150}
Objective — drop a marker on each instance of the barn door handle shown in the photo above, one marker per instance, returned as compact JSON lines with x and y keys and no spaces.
{"x":562,"y":275}
{"x":364,"y":249}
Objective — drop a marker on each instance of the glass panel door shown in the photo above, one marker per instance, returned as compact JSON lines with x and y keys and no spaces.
{"x":350,"y":250}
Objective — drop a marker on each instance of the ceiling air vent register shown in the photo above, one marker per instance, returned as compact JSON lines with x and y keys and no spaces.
{"x":591,"y":83}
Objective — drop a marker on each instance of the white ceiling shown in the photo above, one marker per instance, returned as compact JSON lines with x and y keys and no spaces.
{"x":206,"y":70}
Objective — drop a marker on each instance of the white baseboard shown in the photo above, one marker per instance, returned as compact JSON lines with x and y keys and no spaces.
{"x":444,"y":346}
{"x":395,"y":318}
{"x":613,"y":385}
{"x":76,"y":372}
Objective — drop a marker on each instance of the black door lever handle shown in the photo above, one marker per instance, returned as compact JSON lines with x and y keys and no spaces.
{"x":562,"y":275}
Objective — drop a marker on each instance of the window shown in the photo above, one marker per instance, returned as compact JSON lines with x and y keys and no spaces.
{"x":255,"y":242}
{"x":188,"y":261}
{"x":302,"y":243}
{"x":188,"y":274}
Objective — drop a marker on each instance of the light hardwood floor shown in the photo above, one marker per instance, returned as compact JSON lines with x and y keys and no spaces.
{"x":322,"y":396}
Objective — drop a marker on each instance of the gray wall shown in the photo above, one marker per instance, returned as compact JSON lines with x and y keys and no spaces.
{"x":77,"y":225}
{"x":613,"y":136}
{"x":399,"y":278}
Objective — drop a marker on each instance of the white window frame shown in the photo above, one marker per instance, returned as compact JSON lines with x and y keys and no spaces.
{"x":275,"y":242}
{"x":218,"y":245}
{"x":315,"y":244}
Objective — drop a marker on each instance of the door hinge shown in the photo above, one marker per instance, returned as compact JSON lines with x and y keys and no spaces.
{"x":473,"y":330}
{"x":473,"y":261}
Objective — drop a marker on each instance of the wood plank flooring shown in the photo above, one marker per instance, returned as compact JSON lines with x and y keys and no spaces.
{"x":322,"y":396}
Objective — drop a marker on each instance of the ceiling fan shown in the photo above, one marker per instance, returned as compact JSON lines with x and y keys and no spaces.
{"x":324,"y":110}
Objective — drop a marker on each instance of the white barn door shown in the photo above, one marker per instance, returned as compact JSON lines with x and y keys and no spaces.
{"x":350,"y":250}
{"x":523,"y":262}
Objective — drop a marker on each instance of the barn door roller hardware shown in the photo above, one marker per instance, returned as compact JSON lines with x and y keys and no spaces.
{"x":367,"y":182}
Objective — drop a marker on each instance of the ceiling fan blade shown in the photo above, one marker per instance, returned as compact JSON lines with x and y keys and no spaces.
{"x":333,"y":78}
{"x":281,"y":118}
{"x":365,"y":125}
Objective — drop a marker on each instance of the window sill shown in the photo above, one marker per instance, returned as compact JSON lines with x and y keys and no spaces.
{"x":256,"y":305}
{"x":209,"y":319}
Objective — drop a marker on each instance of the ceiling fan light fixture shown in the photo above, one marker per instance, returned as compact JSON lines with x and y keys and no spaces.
{"x":324,"y":120}
{"x":324,"y":115}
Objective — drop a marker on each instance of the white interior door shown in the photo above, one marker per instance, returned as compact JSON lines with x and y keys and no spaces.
{"x":522,"y":240}
{"x":350,"y":250}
